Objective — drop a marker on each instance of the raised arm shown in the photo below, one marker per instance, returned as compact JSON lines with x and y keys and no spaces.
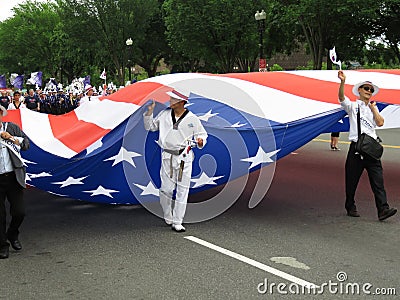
{"x":342,"y":78}
{"x":149,"y":122}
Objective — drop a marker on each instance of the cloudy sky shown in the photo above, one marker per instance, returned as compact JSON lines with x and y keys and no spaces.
{"x":7,"y":5}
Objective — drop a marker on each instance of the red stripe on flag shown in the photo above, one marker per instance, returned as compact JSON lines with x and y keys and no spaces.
{"x":310,"y":88}
{"x":301,"y":86}
{"x":140,"y":92}
{"x":14,"y":115}
{"x":75,"y":134}
{"x":386,"y":71}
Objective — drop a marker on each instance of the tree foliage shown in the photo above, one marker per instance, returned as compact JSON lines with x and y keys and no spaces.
{"x":27,"y":39}
{"x":72,"y":38}
{"x":216,"y":33}
{"x":325,"y":24}
{"x":386,"y":26}
{"x":100,"y":28}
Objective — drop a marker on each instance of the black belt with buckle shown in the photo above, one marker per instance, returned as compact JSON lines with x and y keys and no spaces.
{"x":174,"y":152}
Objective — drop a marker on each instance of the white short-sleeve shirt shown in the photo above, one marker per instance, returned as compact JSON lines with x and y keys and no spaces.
{"x":367,"y":120}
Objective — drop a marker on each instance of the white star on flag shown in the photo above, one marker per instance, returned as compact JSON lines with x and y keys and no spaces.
{"x":150,"y":189}
{"x":43,"y":174}
{"x":102,"y":191}
{"x":25,"y":161}
{"x":204,"y":179}
{"x":260,"y":158}
{"x":124,"y":155}
{"x":207,"y":116}
{"x":69,"y":181}
{"x":237,"y":125}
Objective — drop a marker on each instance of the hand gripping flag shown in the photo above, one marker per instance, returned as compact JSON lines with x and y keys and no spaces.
{"x":13,"y":148}
{"x":333,"y":57}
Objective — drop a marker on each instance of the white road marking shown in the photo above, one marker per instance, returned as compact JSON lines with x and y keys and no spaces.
{"x":253,"y":263}
{"x":291,"y":262}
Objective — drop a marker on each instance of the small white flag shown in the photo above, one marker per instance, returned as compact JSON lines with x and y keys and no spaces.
{"x":333,"y":57}
{"x":103,"y":75}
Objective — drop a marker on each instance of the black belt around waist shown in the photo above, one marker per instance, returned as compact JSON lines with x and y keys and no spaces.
{"x":7,"y":174}
{"x":174,"y":152}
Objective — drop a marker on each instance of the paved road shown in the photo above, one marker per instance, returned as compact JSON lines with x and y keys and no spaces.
{"x":79,"y":250}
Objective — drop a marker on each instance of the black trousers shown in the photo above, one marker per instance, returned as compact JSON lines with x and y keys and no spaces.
{"x":14,"y":192}
{"x":355,"y":166}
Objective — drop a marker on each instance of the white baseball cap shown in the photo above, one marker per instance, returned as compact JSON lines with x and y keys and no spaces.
{"x":88,"y":88}
{"x":179,"y":95}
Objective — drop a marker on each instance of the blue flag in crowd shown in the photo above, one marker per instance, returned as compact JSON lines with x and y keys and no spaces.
{"x":17,"y":81}
{"x":36,"y":79}
{"x":86,"y":81}
{"x":3,"y":83}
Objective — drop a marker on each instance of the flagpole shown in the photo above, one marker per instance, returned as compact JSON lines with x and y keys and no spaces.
{"x":104,"y":76}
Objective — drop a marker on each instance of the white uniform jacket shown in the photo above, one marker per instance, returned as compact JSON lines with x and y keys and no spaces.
{"x":189,"y":128}
{"x":87,"y":99}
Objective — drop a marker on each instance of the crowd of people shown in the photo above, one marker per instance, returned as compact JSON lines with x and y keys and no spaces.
{"x":54,"y":101}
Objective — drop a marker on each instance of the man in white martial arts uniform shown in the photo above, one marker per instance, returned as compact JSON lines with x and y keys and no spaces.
{"x":89,"y":95}
{"x":178,"y":130}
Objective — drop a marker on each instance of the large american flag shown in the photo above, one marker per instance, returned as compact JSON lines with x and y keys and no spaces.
{"x":100,"y":152}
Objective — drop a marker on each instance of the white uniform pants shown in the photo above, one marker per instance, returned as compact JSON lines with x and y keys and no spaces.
{"x":174,"y":210}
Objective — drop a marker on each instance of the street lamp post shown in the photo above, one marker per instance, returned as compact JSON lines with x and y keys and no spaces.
{"x":260,"y":18}
{"x":129,"y":43}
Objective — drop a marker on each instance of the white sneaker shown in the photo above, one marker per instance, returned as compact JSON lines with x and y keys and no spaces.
{"x":178,"y":228}
{"x":168,"y":222}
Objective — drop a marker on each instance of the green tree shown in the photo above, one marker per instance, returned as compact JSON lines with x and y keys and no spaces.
{"x":215,"y":35}
{"x":154,"y":47}
{"x":386,"y":26}
{"x":100,"y":28}
{"x":26,"y":39}
{"x":324,"y":24}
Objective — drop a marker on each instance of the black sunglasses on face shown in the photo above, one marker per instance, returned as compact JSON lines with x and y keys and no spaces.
{"x":367,"y":88}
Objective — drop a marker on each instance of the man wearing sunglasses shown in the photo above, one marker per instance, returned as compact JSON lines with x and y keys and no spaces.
{"x":370,"y":118}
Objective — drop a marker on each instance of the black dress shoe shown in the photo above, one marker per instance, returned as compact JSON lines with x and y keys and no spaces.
{"x":353,"y":213}
{"x":4,"y":253}
{"x":16,"y":244}
{"x":386,"y":213}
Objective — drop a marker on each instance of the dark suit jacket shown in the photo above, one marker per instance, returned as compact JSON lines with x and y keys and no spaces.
{"x":19,"y":168}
